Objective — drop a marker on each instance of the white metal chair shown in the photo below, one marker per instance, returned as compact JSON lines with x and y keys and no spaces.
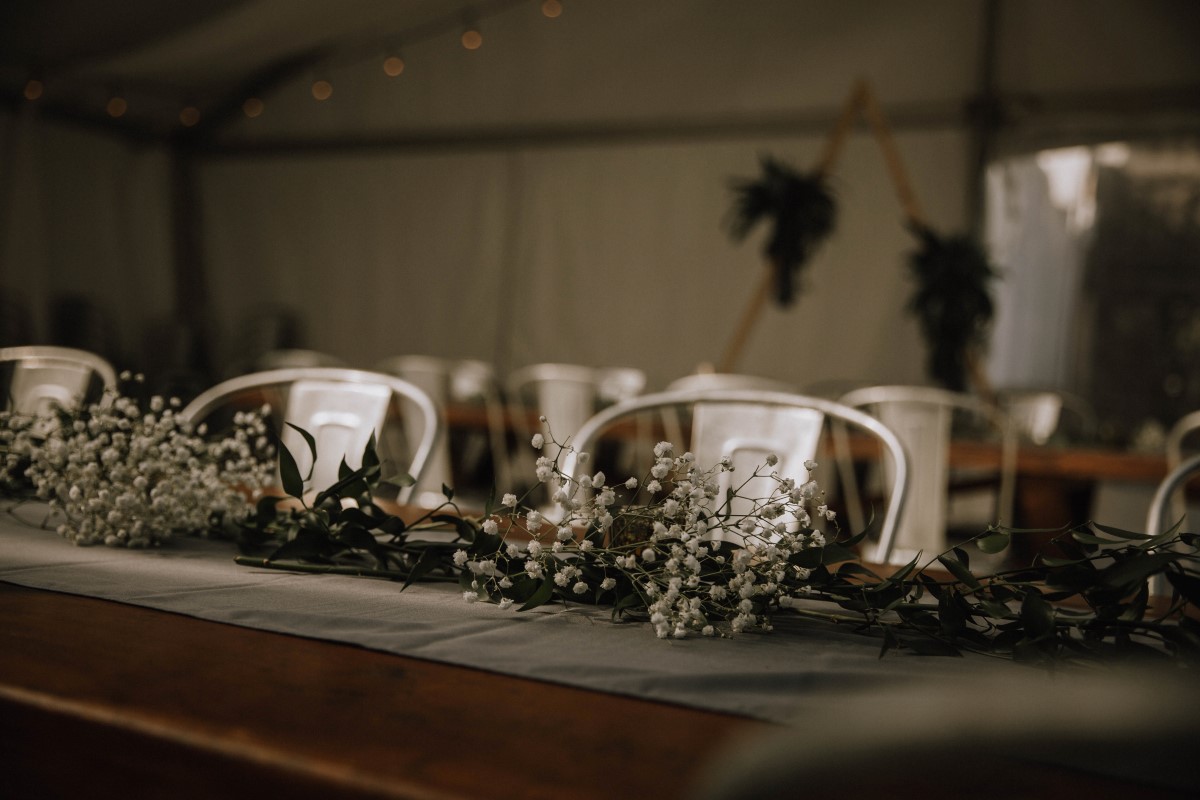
{"x":1164,"y":496}
{"x":41,"y":377}
{"x":295,"y":358}
{"x":460,"y":381}
{"x":567,"y":395}
{"x":921,"y":417}
{"x":708,"y":381}
{"x":1185,"y":428}
{"x":1040,"y":414}
{"x":747,"y":425}
{"x":340,"y":408}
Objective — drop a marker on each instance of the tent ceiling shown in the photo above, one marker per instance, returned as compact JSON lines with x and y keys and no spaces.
{"x":199,"y":50}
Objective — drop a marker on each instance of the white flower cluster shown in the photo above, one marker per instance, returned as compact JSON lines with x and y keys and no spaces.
{"x":694,"y":559}
{"x":126,"y":478}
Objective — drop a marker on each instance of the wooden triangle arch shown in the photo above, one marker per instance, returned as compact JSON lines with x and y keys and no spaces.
{"x":862,"y":101}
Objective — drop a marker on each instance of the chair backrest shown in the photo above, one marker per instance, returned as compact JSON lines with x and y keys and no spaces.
{"x":449,"y":381}
{"x":1161,"y":505}
{"x":1177,"y":436}
{"x":921,"y":417}
{"x":1157,"y":518}
{"x":704,"y":381}
{"x":746,"y":425}
{"x":1038,"y":414}
{"x":41,"y":377}
{"x":567,"y":394}
{"x":295,"y":358}
{"x":340,"y":408}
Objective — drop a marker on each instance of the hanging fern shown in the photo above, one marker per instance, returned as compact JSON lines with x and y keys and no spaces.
{"x":952,"y":302}
{"x":801,"y":211}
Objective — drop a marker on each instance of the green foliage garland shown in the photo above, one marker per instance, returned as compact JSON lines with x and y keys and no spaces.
{"x":1094,"y":605}
{"x":952,"y":302}
{"x":800,"y":210}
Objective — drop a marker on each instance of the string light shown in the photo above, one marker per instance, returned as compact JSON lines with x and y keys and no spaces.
{"x":116,"y":106}
{"x":393,"y":65}
{"x":322,"y":90}
{"x":472,"y":39}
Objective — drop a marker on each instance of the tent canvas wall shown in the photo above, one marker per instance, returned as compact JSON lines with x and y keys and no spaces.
{"x":558,"y":194}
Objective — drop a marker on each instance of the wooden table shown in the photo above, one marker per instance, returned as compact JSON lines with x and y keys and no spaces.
{"x":149,"y":704}
{"x":99,"y":699}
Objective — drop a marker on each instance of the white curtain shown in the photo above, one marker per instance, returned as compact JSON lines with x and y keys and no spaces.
{"x":85,"y":215}
{"x":595,"y":255}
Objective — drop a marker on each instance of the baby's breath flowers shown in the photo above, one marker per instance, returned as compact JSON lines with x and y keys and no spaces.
{"x":125,"y":477}
{"x":688,"y":559}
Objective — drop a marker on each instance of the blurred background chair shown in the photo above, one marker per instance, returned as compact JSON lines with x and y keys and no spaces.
{"x":1045,"y":415}
{"x":1182,"y":442}
{"x":461,"y":456}
{"x":292,"y":358}
{"x":340,"y":408}
{"x":747,"y":425}
{"x":567,"y":395}
{"x":36,"y":378}
{"x":707,"y":381}
{"x":79,"y":322}
{"x":925,"y":419}
{"x":1161,"y":516}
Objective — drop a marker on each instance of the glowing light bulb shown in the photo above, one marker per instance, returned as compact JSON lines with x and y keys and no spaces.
{"x":34,"y":89}
{"x":252,"y":107}
{"x":116,"y":106}
{"x":393,"y":66}
{"x":322,"y":90}
{"x":552,"y":8}
{"x":472,"y":39}
{"x":189,"y":116}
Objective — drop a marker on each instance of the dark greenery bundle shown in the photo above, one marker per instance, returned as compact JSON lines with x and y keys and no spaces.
{"x":952,"y":302}
{"x":1091,"y":606}
{"x":800,"y":210}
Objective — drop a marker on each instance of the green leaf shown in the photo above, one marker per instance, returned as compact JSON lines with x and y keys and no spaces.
{"x":370,"y":457}
{"x":901,"y":574}
{"x":889,"y":641}
{"x":631,"y":600}
{"x":312,"y":445}
{"x":807,"y":558}
{"x":541,"y":596}
{"x":357,"y":537}
{"x":959,"y":571}
{"x":289,"y":473}
{"x":344,"y":469}
{"x":924,"y":646}
{"x":467,"y":532}
{"x":1036,"y":616}
{"x":1119,"y":533}
{"x":834,"y":553}
{"x":996,"y":610}
{"x":1135,"y":570}
{"x":1187,"y":585}
{"x":447,"y":492}
{"x":427,"y":563}
{"x":995,"y":542}
{"x":1086,"y":538}
{"x":400,"y":480}
{"x":308,"y":544}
